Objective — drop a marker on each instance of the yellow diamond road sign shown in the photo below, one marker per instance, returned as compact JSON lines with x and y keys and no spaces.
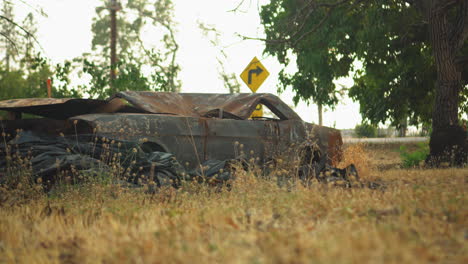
{"x":254,"y":74}
{"x":258,"y":111}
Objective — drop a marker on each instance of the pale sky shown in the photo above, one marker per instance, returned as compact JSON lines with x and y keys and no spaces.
{"x":66,"y":34}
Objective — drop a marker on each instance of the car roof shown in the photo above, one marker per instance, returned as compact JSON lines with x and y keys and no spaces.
{"x":236,"y":106}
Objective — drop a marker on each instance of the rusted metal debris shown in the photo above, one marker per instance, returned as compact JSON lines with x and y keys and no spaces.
{"x":194,"y":127}
{"x":52,"y":107}
{"x":71,"y":158}
{"x":235,"y":106}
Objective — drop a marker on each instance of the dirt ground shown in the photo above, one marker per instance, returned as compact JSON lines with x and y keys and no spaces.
{"x":386,"y":156}
{"x":412,"y":216}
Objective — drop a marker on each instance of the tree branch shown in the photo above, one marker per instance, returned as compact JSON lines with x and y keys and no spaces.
{"x":331,"y":7}
{"x":10,"y":40}
{"x":22,"y":29}
{"x":332,"y":4}
{"x":36,"y":9}
{"x":173,"y":52}
{"x":273,"y":41}
{"x":314,"y":29}
{"x":443,"y":5}
{"x":237,"y":7}
{"x":310,"y":7}
{"x":460,"y":29}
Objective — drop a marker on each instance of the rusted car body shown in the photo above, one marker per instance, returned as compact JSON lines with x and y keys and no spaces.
{"x":194,"y":127}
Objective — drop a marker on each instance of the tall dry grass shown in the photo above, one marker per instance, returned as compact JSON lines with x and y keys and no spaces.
{"x":358,"y":155}
{"x":419,"y":217}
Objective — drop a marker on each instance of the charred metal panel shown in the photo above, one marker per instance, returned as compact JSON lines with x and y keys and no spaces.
{"x":292,"y":130}
{"x":41,"y":126}
{"x":335,"y":143}
{"x":237,"y":106}
{"x":330,"y":142}
{"x":182,"y":136}
{"x":30,"y":102}
{"x":292,"y":138}
{"x":228,"y":139}
{"x":314,"y":137}
{"x":201,"y":105}
{"x":51,"y":107}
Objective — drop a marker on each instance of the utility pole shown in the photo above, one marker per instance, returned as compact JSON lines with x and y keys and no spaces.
{"x":114,"y":6}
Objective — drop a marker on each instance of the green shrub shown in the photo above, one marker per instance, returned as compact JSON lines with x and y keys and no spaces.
{"x":414,"y":158}
{"x":365,"y":130}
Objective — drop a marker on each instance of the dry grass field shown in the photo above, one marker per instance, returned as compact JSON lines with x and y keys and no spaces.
{"x":413,"y":216}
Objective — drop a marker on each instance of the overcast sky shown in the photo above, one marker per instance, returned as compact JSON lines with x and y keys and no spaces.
{"x":66,"y":33}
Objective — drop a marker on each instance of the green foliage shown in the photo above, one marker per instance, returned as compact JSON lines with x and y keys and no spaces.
{"x":61,"y":82}
{"x":365,"y":131}
{"x":25,"y":83}
{"x":23,"y":72}
{"x":399,"y":75}
{"x":414,"y":158}
{"x":318,"y":64}
{"x":388,"y":38}
{"x":129,"y":77}
{"x":142,"y":66}
{"x":31,"y":81}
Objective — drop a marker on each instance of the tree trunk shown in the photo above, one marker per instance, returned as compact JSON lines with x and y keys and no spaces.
{"x":403,"y":127}
{"x":7,"y":60}
{"x":448,"y":140}
{"x":320,"y":112}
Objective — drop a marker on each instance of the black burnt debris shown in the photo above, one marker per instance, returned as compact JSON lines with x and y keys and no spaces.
{"x":52,"y":159}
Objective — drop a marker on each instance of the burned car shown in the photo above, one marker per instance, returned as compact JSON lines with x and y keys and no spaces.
{"x":194,"y":127}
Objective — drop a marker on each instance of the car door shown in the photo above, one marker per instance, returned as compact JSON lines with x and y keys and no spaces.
{"x":292,"y":137}
{"x":229,"y":139}
{"x":182,"y":136}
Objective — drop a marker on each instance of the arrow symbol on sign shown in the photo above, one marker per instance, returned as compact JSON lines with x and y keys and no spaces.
{"x":257,"y":72}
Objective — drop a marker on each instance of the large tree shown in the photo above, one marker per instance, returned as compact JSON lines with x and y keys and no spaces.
{"x":412,"y":52}
{"x":134,"y":52}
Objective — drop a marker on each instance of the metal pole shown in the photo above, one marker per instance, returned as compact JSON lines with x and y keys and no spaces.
{"x":49,"y":88}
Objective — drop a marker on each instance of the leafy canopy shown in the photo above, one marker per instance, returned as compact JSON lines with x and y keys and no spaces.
{"x":387,"y":37}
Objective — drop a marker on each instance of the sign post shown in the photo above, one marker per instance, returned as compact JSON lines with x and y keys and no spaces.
{"x":254,"y":75}
{"x":49,"y":88}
